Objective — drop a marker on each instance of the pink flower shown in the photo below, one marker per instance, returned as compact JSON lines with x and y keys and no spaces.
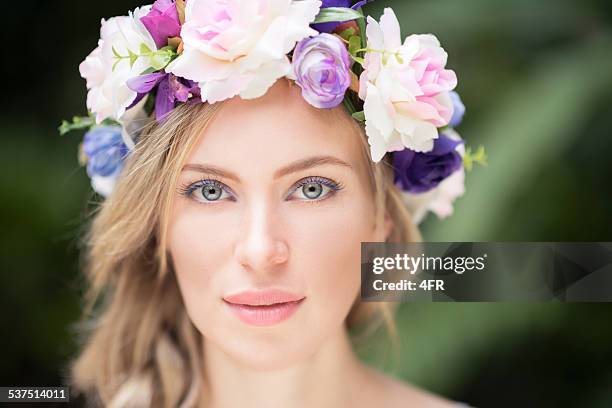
{"x":162,"y":22}
{"x":235,"y":47}
{"x":405,"y":88}
{"x":434,"y":80}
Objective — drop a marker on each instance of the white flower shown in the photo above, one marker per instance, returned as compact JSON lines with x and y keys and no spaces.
{"x":239,"y":47}
{"x":405,"y":88}
{"x":108,"y":95}
{"x":104,"y":185}
{"x":440,"y":199}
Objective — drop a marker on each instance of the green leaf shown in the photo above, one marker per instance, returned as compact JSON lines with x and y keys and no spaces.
{"x":359,"y":60}
{"x":149,"y":70}
{"x":144,"y":50}
{"x":168,"y":49}
{"x":149,"y":104}
{"x":162,"y":57}
{"x":108,"y":122}
{"x":336,"y":14}
{"x":348,"y":33}
{"x":385,"y":58}
{"x":360,"y":116}
{"x":362,"y":31}
{"x":78,"y":122}
{"x":478,"y":157}
{"x":159,"y":60}
{"x":115,"y":53}
{"x":133,"y":58}
{"x":354,"y":44}
{"x":348,"y":104}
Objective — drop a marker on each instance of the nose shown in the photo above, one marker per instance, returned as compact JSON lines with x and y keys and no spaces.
{"x":261,"y":245}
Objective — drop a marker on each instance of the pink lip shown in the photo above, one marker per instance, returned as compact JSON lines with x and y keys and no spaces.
{"x":263,"y":308}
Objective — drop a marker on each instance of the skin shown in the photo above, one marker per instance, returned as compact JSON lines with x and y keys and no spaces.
{"x":264,"y":233}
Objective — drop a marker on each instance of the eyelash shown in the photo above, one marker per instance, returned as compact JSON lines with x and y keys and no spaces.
{"x":188,"y":189}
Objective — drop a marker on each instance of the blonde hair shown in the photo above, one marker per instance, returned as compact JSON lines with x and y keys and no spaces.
{"x":140,"y":347}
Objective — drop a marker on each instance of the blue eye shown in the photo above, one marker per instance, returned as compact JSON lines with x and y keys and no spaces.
{"x":207,"y":191}
{"x":308,"y":189}
{"x":314,"y":189}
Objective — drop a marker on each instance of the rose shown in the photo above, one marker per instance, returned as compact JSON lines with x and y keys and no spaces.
{"x":439,"y":200}
{"x":321,"y":66}
{"x":405,"y":88}
{"x":240,"y":47}
{"x":162,"y":22}
{"x":106,"y":74}
{"x":420,"y":172}
{"x":105,"y":151}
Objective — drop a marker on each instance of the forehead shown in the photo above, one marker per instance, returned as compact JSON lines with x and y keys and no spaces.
{"x":280,"y":127}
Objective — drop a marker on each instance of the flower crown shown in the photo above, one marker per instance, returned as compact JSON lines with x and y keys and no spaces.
{"x":206,"y":51}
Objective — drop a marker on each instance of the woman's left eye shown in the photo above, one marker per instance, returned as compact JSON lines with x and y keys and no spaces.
{"x":314,"y":189}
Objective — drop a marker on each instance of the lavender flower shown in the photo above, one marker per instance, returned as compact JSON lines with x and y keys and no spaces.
{"x":421,"y":172}
{"x":162,"y":22}
{"x":322,"y":68}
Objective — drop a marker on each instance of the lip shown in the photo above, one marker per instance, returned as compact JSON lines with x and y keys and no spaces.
{"x":263,"y":308}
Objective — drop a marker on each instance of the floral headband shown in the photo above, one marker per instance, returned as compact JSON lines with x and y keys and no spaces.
{"x":206,"y":51}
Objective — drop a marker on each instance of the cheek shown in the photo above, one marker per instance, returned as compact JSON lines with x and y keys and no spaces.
{"x":327,"y":251}
{"x":198,"y":250}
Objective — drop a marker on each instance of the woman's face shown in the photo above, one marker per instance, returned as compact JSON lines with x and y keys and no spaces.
{"x":265,"y":231}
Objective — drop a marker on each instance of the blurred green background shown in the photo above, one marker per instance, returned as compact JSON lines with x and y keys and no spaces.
{"x":536,"y":78}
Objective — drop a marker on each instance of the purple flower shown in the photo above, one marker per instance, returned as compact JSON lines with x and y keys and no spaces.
{"x":458,"y":110}
{"x":170,"y":90}
{"x":162,"y":22}
{"x":421,"y":172}
{"x":105,"y":151}
{"x":322,"y":68}
{"x":331,"y":26}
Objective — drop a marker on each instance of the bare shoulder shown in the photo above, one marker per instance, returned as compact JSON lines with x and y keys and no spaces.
{"x":391,"y":392}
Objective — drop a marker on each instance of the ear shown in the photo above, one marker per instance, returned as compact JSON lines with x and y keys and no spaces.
{"x":384,"y":230}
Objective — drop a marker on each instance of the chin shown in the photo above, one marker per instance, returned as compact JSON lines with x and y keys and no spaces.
{"x":267,"y":352}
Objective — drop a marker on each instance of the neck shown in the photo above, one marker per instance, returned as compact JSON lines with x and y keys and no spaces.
{"x":327,"y":378}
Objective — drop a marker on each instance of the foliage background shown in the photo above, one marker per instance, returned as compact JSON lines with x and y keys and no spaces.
{"x":537,"y":80}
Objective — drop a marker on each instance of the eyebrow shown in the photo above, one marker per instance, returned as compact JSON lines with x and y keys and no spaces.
{"x":299,"y":165}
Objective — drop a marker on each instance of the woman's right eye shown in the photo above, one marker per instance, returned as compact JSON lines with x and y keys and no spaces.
{"x":208,"y":191}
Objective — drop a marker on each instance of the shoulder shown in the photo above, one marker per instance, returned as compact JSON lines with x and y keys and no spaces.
{"x":391,"y":392}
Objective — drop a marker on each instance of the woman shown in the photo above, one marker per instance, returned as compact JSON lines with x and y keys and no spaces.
{"x":227,"y":256}
{"x":204,"y":194}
